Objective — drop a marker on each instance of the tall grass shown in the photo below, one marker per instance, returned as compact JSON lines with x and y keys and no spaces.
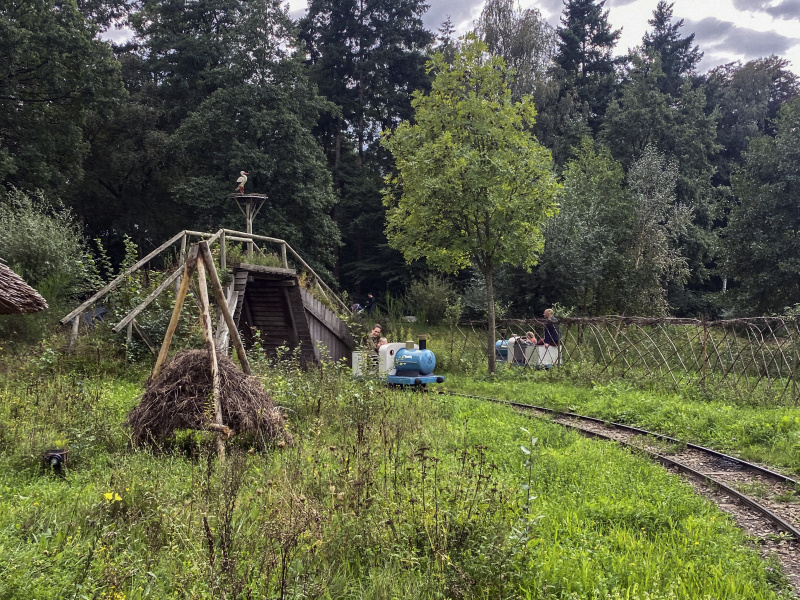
{"x":384,"y":494}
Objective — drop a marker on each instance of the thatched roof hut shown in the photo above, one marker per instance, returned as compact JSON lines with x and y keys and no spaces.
{"x":16,"y":296}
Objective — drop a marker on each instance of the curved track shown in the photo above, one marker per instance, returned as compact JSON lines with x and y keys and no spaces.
{"x":763,"y":502}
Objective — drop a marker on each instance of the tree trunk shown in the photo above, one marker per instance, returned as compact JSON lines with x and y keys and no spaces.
{"x":488,"y":276}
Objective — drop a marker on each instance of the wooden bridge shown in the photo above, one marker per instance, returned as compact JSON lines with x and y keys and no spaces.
{"x":268,"y":304}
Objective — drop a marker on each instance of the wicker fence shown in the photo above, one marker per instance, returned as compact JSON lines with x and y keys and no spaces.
{"x":750,"y":357}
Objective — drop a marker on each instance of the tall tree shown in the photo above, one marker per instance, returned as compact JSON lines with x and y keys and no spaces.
{"x":265,"y":127}
{"x":473,"y":186}
{"x":748,"y":98}
{"x":214,"y":91}
{"x":583,"y":263}
{"x":761,"y":245}
{"x":679,"y":127}
{"x":585,"y":54}
{"x":366,"y":56}
{"x":678,"y":56}
{"x":54,"y":72}
{"x":526,"y":42}
{"x":612,"y":248}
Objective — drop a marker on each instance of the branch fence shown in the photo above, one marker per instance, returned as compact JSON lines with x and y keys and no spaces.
{"x":753,"y":358}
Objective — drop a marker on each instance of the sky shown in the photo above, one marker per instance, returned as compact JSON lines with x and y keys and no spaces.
{"x":725,"y":30}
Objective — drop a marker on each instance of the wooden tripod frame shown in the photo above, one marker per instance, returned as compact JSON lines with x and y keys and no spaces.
{"x":199,"y":259}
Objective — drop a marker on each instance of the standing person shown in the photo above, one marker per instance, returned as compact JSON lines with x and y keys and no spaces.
{"x":551,"y":335}
{"x":370,"y":304}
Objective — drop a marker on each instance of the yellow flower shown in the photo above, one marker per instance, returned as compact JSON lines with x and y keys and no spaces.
{"x":109,"y":496}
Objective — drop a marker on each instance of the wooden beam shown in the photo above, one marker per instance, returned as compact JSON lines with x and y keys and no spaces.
{"x":294,"y":334}
{"x":73,"y":337}
{"x":120,"y":277}
{"x":146,"y":302}
{"x":189,"y":267}
{"x":144,"y":337}
{"x":223,"y":306}
{"x":181,"y":260}
{"x":208,"y":334}
{"x":221,"y":335}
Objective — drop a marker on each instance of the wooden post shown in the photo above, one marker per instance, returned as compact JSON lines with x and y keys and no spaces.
{"x":249,"y":218}
{"x":223,"y":252}
{"x":181,"y":260}
{"x":129,"y":333}
{"x":208,"y":334}
{"x":283,"y":256}
{"x":705,"y":353}
{"x":188,"y":269}
{"x":73,"y":336}
{"x":219,"y":294}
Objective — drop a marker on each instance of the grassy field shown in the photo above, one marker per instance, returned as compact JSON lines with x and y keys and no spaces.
{"x":769,"y":435}
{"x":384,"y":494}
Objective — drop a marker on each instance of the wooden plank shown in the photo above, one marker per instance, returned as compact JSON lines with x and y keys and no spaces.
{"x":189,"y":267}
{"x":223,"y":306}
{"x":120,"y":277}
{"x":264,"y":269}
{"x":147,"y":301}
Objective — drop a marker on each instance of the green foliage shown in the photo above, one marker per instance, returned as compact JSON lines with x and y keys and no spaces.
{"x":748,"y":96}
{"x":473,"y":186}
{"x":526,"y":43}
{"x":265,"y":129}
{"x":54,"y":73}
{"x":678,"y":56}
{"x":760,"y":245}
{"x":586,"y":42}
{"x":430,"y":298}
{"x":43,"y":243}
{"x":366,"y":57}
{"x":382,"y":494}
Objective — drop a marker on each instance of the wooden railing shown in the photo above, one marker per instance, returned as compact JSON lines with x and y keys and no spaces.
{"x":222,"y":236}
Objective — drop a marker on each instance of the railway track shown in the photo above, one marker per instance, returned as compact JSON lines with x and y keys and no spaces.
{"x":762,"y":501}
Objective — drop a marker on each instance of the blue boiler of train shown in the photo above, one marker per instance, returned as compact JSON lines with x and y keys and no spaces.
{"x":405,"y":364}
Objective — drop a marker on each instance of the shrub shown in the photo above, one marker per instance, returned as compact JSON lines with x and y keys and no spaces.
{"x":43,"y":243}
{"x":430,"y":298}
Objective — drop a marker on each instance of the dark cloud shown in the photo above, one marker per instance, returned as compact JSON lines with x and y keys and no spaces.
{"x":724,"y":38}
{"x":786,"y":9}
{"x":751,"y":5}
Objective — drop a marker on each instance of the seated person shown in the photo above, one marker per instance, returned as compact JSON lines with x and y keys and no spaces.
{"x":373,"y":340}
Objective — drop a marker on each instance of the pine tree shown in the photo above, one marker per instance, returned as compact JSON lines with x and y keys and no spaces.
{"x":678,"y":56}
{"x":367,"y":57}
{"x":585,"y":47}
